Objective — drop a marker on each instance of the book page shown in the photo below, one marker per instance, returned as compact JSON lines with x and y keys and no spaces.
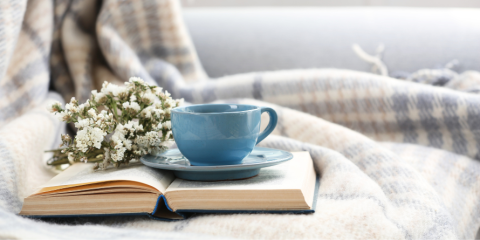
{"x":288,"y":175}
{"x":83,"y":174}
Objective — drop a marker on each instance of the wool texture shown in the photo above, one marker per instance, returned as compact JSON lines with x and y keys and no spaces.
{"x":397,"y":159}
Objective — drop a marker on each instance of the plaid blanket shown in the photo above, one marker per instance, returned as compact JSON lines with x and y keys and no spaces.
{"x":398,"y":160}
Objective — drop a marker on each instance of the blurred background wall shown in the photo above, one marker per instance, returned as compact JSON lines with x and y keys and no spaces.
{"x":331,"y":3}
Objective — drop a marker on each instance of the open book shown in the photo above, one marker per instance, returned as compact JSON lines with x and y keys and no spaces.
{"x":135,"y":190}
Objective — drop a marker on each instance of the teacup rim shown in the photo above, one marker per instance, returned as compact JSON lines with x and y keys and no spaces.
{"x":215,"y":113}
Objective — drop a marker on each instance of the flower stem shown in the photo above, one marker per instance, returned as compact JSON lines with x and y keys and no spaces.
{"x":114,"y":106}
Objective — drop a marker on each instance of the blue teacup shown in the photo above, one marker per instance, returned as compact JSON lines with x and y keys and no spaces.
{"x":219,"y":134}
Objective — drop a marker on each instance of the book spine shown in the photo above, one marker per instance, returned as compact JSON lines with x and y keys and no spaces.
{"x":166,"y":203}
{"x":162,"y":205}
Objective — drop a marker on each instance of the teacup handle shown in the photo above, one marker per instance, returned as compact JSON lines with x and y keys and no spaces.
{"x":271,"y":125}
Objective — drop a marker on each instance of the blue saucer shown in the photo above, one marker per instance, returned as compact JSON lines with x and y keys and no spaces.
{"x":173,"y":160}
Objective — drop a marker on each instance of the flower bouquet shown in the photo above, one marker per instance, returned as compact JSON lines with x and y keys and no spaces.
{"x":117,"y":125}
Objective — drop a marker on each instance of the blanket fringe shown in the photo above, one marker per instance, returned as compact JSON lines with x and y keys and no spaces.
{"x":377,"y":64}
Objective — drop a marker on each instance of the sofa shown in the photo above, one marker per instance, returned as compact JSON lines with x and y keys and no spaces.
{"x":237,"y":40}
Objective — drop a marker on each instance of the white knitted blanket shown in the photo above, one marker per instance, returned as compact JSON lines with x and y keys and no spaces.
{"x":398,"y":160}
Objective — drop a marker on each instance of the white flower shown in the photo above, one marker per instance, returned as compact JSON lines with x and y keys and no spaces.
{"x":136,"y":102}
{"x":103,"y":115}
{"x":81,"y":107}
{"x":89,"y":137}
{"x":148,"y":98}
{"x":99,"y":97}
{"x":130,"y":126}
{"x":149,"y":142}
{"x":55,"y":107}
{"x":167,"y":125}
{"x":164,"y":95}
{"x":63,"y":116}
{"x":120,"y":129}
{"x":153,"y":138}
{"x":92,"y":113}
{"x":83,"y":123}
{"x":179,"y":102}
{"x":147,"y":112}
{"x":117,"y":155}
{"x":121,"y":92}
{"x":136,"y":80}
{"x":133,"y":98}
{"x":141,"y":141}
{"x":73,"y":101}
{"x":71,"y":107}
{"x":118,"y":138}
{"x":157,"y":105}
{"x":158,"y":90}
{"x":167,"y":113}
{"x":113,"y":89}
{"x":97,"y":137}
{"x":131,"y":105}
{"x":128,"y":144}
{"x":104,"y":84}
{"x":109,"y":88}
{"x":137,"y":126}
{"x":158,"y":113}
{"x":169,"y":103}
